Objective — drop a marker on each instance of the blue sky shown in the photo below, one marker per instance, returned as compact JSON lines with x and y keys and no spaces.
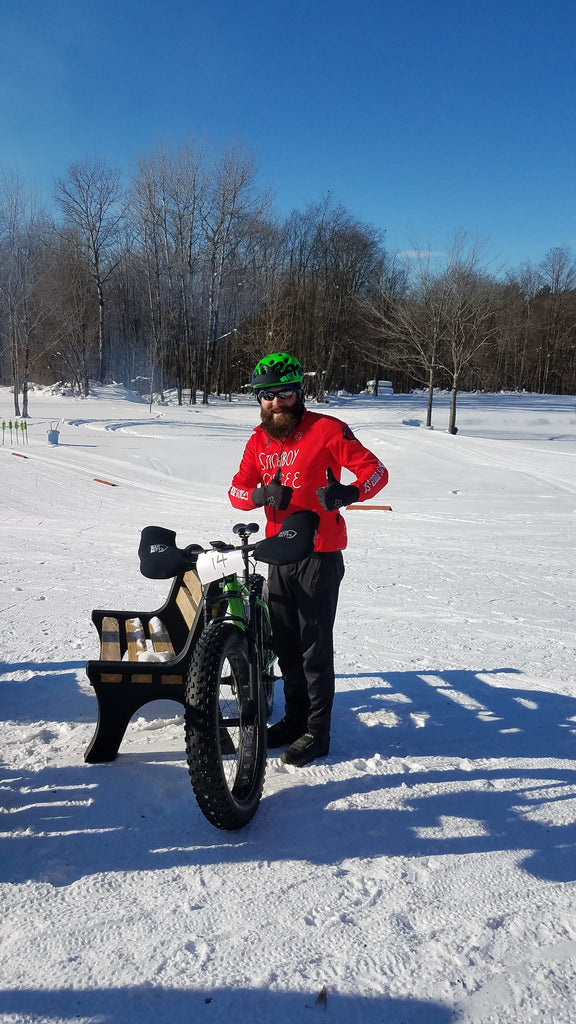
{"x":421,"y":117}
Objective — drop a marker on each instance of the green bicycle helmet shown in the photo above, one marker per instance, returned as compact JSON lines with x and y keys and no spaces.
{"x":277,"y":369}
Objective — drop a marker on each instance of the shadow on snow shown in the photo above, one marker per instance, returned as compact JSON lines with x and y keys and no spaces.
{"x":139,"y":813}
{"x":154,"y":1005}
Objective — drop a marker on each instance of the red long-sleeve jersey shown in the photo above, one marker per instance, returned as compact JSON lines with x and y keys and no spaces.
{"x":318,"y":442}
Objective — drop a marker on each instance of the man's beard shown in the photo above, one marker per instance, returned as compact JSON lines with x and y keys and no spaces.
{"x":281,"y":424}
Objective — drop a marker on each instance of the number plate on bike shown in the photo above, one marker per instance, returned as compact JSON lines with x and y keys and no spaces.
{"x":213,"y":565}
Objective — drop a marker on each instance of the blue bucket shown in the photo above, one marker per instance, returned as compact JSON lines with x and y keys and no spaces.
{"x":53,"y":436}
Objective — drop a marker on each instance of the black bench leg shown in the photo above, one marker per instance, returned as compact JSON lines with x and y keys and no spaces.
{"x":115,"y":709}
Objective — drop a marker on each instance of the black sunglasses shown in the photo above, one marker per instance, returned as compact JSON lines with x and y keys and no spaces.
{"x":283,"y":393}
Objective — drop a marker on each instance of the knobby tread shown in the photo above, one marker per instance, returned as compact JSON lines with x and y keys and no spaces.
{"x":226,"y":763}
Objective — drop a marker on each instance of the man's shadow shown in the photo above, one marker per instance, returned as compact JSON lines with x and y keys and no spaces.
{"x":421,"y":736}
{"x":453,"y":713}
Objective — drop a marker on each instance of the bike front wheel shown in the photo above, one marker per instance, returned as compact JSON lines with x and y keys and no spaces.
{"x":225,"y":728}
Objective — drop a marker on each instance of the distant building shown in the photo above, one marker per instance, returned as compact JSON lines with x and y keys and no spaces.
{"x":384,"y":387}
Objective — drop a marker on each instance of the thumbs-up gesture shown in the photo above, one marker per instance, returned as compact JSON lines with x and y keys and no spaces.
{"x":273,"y":495}
{"x":335,"y":495}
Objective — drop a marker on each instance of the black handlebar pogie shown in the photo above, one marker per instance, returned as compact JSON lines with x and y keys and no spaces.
{"x":160,"y":558}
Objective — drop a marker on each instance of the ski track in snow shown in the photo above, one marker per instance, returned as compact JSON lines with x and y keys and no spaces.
{"x":424,"y":872}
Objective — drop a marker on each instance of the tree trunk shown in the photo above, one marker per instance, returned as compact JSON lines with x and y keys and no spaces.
{"x":430,"y":397}
{"x":327,"y":378}
{"x":452,"y":428}
{"x":104,"y":368}
{"x":25,"y":379}
{"x":15,"y":370}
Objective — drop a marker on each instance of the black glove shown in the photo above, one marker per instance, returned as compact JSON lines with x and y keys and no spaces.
{"x":335,"y":494}
{"x":273,"y":495}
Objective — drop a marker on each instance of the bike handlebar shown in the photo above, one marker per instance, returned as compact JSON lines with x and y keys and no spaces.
{"x":160,"y":558}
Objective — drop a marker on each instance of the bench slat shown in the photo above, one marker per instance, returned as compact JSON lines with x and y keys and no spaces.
{"x":110,"y":647}
{"x":192,"y":581}
{"x":189,"y":597}
{"x":160,"y":637}
{"x":110,"y":640}
{"x":136,"y":640}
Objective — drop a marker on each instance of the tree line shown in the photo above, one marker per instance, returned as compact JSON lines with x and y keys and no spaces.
{"x":184,"y":277}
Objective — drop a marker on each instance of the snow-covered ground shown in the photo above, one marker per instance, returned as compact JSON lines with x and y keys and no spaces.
{"x":424,"y":872}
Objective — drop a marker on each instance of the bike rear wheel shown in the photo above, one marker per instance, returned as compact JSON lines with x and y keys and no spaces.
{"x":225,"y":728}
{"x":260,"y":619}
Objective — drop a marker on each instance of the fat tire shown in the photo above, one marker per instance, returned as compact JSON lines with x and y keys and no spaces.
{"x":225,"y":729}
{"x":263,"y":633}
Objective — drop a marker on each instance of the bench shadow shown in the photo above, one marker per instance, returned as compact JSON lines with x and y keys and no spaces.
{"x":151,"y":1004}
{"x":41,"y":666}
{"x":50,"y":689}
{"x":422,"y":767}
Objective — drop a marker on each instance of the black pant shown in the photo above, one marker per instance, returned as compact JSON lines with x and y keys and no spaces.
{"x":303,"y":597}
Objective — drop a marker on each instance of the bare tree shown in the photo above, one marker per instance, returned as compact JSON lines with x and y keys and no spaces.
{"x":509,"y":363}
{"x":231,"y":204}
{"x":471,"y":322}
{"x":558,"y":274}
{"x":167,"y":192}
{"x":20,"y":257}
{"x":330,"y":257}
{"x":70,"y":328}
{"x":91,"y":199}
{"x":350,"y":256}
{"x":410,"y":322}
{"x":189,"y":183}
{"x":439,"y":327}
{"x":147,"y":208}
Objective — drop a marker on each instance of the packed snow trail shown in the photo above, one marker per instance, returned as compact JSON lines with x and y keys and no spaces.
{"x":424,"y":872}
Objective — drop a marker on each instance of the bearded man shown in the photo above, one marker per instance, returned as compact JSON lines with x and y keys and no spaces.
{"x":293,"y":460}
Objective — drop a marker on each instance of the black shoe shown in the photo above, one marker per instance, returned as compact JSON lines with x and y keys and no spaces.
{"x":305,"y":749}
{"x":282,"y":733}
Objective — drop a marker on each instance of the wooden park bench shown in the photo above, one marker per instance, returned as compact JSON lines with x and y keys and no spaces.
{"x":123,"y":679}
